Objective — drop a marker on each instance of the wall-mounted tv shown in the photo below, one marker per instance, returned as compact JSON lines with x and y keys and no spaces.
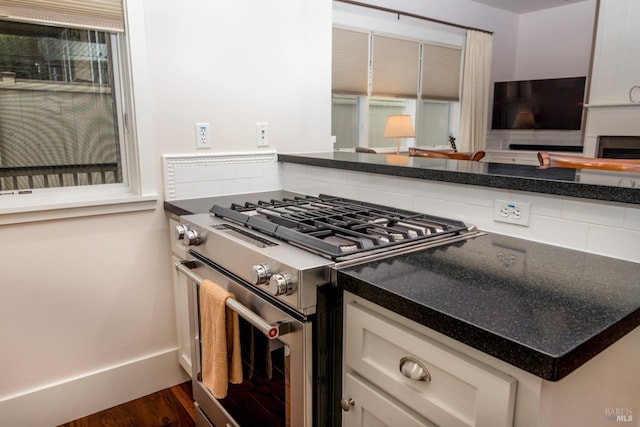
{"x":548,"y":104}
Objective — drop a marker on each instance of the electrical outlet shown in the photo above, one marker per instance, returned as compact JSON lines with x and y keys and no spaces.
{"x":202,"y":135}
{"x":511,"y":212}
{"x":262,"y":134}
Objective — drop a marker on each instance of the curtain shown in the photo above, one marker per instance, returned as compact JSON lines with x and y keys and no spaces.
{"x":475,"y":91}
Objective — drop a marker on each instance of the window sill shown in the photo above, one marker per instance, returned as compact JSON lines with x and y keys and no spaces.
{"x":44,"y":210}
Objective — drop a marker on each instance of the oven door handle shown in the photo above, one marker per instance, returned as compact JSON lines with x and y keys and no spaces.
{"x":270,"y":330}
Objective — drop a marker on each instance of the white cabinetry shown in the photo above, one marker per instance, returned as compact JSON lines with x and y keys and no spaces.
{"x":615,"y":75}
{"x":469,"y":387}
{"x":512,"y":157}
{"x":446,"y":387}
{"x":180,"y":291}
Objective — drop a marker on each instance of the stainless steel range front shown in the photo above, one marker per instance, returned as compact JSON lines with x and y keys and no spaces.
{"x":275,"y":252}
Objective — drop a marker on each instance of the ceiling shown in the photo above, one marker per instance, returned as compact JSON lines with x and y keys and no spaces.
{"x":526,"y":6}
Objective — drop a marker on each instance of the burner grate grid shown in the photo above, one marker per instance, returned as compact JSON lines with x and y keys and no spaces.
{"x":334,"y":226}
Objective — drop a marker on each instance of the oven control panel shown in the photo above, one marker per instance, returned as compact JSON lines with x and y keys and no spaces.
{"x":274,"y":267}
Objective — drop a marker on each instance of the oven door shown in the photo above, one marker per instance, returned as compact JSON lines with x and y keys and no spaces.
{"x":276,"y":357}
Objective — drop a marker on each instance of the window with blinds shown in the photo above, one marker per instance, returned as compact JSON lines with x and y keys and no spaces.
{"x":440,"y":72}
{"x":60,"y":97}
{"x":103,"y":15}
{"x":394,"y":67}
{"x":350,"y":62}
{"x":385,"y":75}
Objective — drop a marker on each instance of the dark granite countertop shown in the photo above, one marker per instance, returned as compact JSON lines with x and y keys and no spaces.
{"x":557,"y":181}
{"x":188,"y":206}
{"x":544,"y":309}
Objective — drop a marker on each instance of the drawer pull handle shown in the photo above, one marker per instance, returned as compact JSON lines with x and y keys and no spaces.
{"x":414,"y":370}
{"x":346,"y":403}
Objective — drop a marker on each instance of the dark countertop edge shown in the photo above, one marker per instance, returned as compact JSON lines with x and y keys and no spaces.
{"x":543,"y":365}
{"x":174,"y":209}
{"x":559,"y":188}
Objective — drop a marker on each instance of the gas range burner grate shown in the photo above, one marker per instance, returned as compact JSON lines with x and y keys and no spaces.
{"x":335,"y":226}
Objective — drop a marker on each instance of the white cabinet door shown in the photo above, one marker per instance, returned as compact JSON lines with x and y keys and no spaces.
{"x":616,"y":61}
{"x":181,"y":296}
{"x":372,"y":408}
{"x":459,"y":391}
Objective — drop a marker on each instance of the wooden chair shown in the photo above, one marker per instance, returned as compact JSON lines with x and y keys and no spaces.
{"x":549,"y":160}
{"x":419,"y":152}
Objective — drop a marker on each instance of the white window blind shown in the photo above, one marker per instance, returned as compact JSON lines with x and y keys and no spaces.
{"x":440,"y":72}
{"x":104,"y":15}
{"x":350,"y":62}
{"x":395,"y":67}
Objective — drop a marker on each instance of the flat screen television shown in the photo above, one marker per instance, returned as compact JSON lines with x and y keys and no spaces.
{"x":547,"y":104}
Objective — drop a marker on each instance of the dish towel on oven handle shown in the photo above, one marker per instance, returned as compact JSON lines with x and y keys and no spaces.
{"x":220,"y":340}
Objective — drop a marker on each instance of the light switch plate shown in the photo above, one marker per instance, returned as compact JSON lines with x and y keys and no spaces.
{"x":262,"y":134}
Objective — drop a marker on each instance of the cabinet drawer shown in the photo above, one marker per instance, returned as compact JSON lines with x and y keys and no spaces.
{"x":372,"y":408}
{"x":461,"y":391}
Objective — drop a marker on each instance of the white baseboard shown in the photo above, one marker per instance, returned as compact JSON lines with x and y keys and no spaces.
{"x":55,"y":404}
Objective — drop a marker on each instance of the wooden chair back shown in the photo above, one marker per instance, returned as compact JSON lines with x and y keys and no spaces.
{"x":549,"y":160}
{"x":419,"y":152}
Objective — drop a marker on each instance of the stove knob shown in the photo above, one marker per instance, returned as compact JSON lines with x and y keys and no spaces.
{"x":180,"y":230}
{"x":280,"y":284}
{"x":260,"y":274}
{"x":192,"y":238}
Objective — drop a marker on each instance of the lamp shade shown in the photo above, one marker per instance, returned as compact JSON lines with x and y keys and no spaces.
{"x":399,"y":126}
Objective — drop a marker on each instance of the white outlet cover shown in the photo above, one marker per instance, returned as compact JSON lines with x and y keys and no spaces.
{"x":202,"y":135}
{"x":511,"y":212}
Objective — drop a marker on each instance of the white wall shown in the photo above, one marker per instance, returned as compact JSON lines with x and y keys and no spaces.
{"x":555,"y":42}
{"x":236,"y":63}
{"x":87,"y":303}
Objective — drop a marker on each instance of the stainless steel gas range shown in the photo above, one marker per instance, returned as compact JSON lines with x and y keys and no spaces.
{"x":276,"y":252}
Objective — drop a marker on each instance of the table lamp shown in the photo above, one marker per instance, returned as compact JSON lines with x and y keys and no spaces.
{"x":399,"y":126}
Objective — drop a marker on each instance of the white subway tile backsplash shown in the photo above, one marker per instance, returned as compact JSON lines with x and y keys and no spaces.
{"x":248,"y":170}
{"x":541,"y":204}
{"x":270,"y":169}
{"x":205,"y":188}
{"x":482,"y":196}
{"x":370,"y":180}
{"x":190,"y":173}
{"x":219,"y":172}
{"x":615,"y":242}
{"x":559,"y":232}
{"x":189,"y":176}
{"x":593,"y":226}
{"x":593,"y":212}
{"x":185,"y":190}
{"x":382,"y":197}
{"x":632,"y":219}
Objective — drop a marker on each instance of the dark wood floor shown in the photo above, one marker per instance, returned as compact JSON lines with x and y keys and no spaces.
{"x":169,"y":407}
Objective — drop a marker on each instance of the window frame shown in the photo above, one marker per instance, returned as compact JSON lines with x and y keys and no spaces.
{"x":139,"y":191}
{"x":354,"y":20}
